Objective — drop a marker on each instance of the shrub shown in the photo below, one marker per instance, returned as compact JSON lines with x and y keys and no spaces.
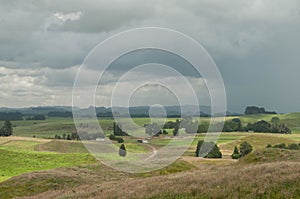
{"x":293,"y":147}
{"x":280,"y":146}
{"x":245,"y":148}
{"x":114,"y":138}
{"x":236,"y":153}
{"x":122,"y":150}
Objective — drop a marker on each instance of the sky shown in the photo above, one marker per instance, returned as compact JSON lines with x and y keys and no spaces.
{"x":255,"y":45}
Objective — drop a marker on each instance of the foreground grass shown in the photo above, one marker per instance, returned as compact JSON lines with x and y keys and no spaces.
{"x":266,"y":180}
{"x":30,"y":184}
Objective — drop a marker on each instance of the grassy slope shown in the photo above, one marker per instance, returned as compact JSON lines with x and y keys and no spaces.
{"x":99,"y":181}
{"x":257,"y":140}
{"x":267,"y":180}
{"x":18,"y":156}
{"x":68,"y":178}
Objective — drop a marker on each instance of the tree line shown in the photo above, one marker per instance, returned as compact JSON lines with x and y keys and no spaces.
{"x":250,"y":110}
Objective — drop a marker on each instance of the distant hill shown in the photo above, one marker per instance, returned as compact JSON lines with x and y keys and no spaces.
{"x":137,"y":111}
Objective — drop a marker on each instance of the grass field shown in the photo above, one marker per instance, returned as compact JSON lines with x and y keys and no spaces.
{"x":52,"y":126}
{"x":65,"y":169}
{"x":18,"y":156}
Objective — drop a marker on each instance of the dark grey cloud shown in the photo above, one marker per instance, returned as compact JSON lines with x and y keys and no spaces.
{"x":254,"y":43}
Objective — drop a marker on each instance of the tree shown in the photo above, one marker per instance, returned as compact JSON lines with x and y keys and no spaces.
{"x":233,"y":125}
{"x":275,"y":120}
{"x":122,"y":150}
{"x":7,"y":129}
{"x":203,"y":128}
{"x":236,"y":153}
{"x":176,"y":128}
{"x":209,"y":150}
{"x":254,"y":110}
{"x":199,"y":145}
{"x":189,"y":124}
{"x":153,"y":129}
{"x":117,"y":128}
{"x":245,"y":148}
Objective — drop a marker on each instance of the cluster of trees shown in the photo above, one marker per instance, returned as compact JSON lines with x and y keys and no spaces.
{"x":36,"y":117}
{"x":245,"y":149}
{"x":117,"y":129}
{"x":250,"y":110}
{"x":264,"y":126}
{"x":70,"y":136}
{"x":235,"y":125}
{"x":11,"y":116}
{"x":190,"y":125}
{"x":293,"y":146}
{"x":170,"y":124}
{"x":154,"y":129}
{"x":7,"y":129}
{"x":209,"y":150}
{"x":115,"y":138}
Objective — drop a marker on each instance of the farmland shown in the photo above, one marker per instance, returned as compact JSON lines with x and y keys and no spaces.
{"x":34,"y":165}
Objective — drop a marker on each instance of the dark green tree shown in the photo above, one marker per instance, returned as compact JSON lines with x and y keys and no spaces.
{"x":122,"y":150}
{"x":236,"y":153}
{"x":117,"y":128}
{"x":209,"y":150}
{"x":7,"y":128}
{"x":245,"y":148}
{"x":199,"y":145}
{"x":176,"y":128}
{"x":275,"y":120}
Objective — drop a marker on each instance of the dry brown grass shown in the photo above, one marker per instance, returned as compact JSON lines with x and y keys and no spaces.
{"x":267,"y":180}
{"x":62,"y":146}
{"x":4,"y":140}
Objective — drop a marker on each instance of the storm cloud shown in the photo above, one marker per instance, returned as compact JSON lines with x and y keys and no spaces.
{"x":255,"y":45}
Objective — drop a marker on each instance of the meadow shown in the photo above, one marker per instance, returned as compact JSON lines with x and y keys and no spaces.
{"x":36,"y":166}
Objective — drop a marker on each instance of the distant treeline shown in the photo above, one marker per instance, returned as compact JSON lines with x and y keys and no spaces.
{"x":250,"y":110}
{"x":36,"y":117}
{"x":234,"y":125}
{"x":11,"y":116}
{"x":60,"y":114}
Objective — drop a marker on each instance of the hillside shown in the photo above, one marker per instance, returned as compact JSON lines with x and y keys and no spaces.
{"x":49,"y":168}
